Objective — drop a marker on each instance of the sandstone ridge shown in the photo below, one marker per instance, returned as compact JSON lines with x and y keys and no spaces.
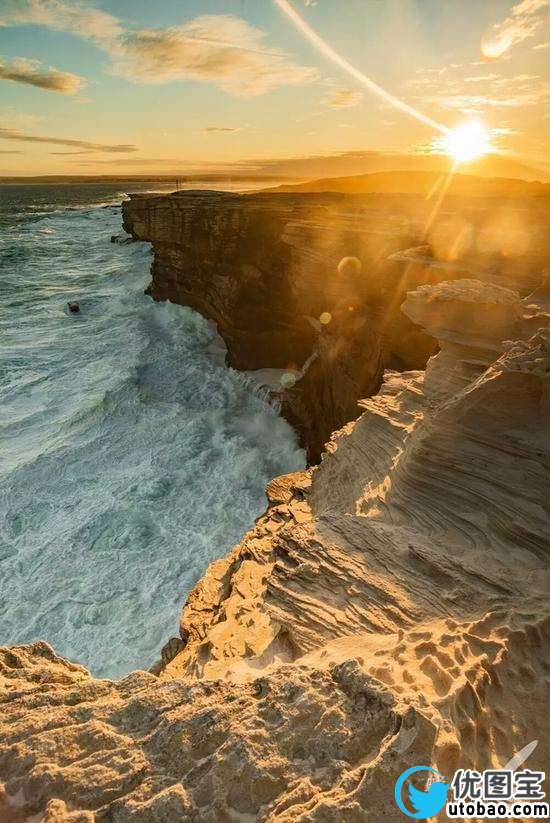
{"x":388,"y":609}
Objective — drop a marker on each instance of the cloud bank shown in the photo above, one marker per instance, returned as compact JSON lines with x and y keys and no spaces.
{"x":458,"y":88}
{"x":220,"y":49}
{"x":63,"y":15}
{"x":217,"y":48}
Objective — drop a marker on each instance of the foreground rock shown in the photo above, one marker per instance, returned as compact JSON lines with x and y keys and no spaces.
{"x":311,"y":283}
{"x":389,"y":609}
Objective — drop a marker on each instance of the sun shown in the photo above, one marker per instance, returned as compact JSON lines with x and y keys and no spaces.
{"x":468,"y":141}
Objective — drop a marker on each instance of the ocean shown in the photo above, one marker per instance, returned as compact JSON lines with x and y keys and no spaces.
{"x":131,"y":456}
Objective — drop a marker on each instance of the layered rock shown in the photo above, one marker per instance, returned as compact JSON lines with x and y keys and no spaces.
{"x":389,"y":609}
{"x":435,"y":474}
{"x":266,"y":267}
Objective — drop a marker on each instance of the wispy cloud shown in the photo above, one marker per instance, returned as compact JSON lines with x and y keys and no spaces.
{"x":163,"y":165}
{"x":14,"y":119}
{"x":343,"y":98}
{"x":476,"y":94}
{"x":15,"y":134}
{"x":214,"y":129}
{"x":21,"y":70}
{"x":523,"y":22}
{"x":62,"y":15}
{"x":218,"y":48}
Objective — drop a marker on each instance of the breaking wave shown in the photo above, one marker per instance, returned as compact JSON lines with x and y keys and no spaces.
{"x":131,"y":455}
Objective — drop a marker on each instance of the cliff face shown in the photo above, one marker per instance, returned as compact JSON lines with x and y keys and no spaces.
{"x":311,"y":283}
{"x":389,"y":609}
{"x":292,"y":281}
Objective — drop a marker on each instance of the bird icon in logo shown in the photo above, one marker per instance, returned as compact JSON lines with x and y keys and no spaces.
{"x":425,"y":804}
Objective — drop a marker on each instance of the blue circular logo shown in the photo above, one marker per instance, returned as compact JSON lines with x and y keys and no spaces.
{"x":425,"y":804}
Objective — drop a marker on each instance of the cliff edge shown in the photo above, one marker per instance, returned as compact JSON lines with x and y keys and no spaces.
{"x":311,"y":283}
{"x":389,"y":609}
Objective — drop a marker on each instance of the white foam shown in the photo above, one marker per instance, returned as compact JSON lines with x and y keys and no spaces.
{"x":131,"y":457}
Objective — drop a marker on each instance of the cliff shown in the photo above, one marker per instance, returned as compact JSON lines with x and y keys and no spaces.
{"x":311,"y":283}
{"x":389,"y":609}
{"x":265,"y":268}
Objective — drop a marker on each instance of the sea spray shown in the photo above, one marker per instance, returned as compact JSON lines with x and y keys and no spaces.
{"x":131,"y":455}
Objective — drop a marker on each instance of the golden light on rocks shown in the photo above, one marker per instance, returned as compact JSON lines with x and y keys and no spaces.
{"x":350,"y":266}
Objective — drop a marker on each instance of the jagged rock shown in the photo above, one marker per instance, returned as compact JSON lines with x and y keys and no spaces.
{"x":86,"y":750}
{"x":470,"y":321}
{"x":389,"y":609}
{"x":122,"y":239}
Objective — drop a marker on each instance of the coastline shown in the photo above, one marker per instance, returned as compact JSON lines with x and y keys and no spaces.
{"x":388,"y":608}
{"x":356,"y":629}
{"x":261,"y":266}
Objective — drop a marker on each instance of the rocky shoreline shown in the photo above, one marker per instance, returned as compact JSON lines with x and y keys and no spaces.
{"x":307,"y":283}
{"x":388,"y":609}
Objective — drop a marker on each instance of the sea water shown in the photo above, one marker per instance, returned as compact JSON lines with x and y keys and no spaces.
{"x":131,"y":456}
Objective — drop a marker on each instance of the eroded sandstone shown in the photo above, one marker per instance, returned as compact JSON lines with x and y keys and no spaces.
{"x":389,"y":609}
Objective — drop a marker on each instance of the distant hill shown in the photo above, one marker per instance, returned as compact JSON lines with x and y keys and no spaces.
{"x":421,"y":182}
{"x":346,"y":164}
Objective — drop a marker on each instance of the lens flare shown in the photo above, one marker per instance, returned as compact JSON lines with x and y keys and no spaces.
{"x":467,"y":142}
{"x":331,"y":54}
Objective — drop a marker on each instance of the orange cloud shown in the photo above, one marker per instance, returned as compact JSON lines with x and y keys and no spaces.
{"x":30,"y":72}
{"x":218,"y":129}
{"x":524,"y":20}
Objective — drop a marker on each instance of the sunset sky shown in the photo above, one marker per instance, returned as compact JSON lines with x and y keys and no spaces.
{"x":134,"y":86}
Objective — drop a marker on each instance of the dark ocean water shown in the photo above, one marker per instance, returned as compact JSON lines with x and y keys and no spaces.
{"x":130,"y":455}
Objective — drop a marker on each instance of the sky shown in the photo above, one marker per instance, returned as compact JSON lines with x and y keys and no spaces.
{"x":137,"y":87}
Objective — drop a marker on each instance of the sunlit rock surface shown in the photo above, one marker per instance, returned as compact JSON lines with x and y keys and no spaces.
{"x":304,"y":281}
{"x":389,"y":609}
